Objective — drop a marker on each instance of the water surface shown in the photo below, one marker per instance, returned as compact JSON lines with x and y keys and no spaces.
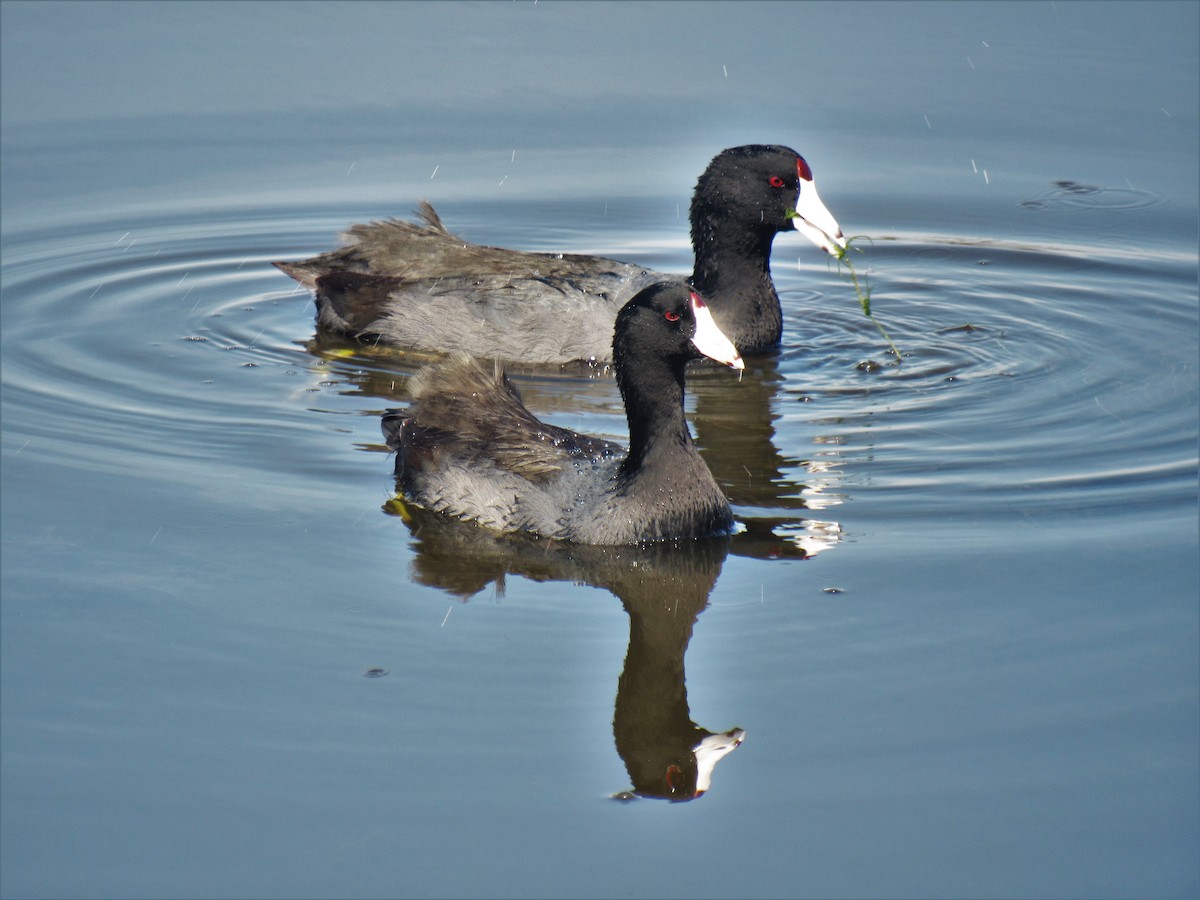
{"x":959,"y":629}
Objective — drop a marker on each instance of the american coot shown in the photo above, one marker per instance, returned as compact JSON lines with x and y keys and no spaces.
{"x":468,"y":448}
{"x":418,"y":287}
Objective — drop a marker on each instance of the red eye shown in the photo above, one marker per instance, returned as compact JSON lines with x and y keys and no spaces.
{"x":671,"y":316}
{"x":775,"y":181}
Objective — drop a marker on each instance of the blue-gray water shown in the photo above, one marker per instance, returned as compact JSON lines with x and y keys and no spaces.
{"x":960,"y":629}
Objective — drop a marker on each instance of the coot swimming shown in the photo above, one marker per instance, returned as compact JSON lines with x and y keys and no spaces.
{"x":418,"y":287}
{"x":467,"y":446}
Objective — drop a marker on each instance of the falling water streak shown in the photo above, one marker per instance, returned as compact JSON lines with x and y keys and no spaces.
{"x":155,"y":538}
{"x":1108,"y":412}
{"x":502,"y":180}
{"x":22,"y":447}
{"x":93,"y":293}
{"x":351,"y":169}
{"x":514,"y":156}
{"x":725,"y":70}
{"x":121,"y":238}
{"x":974,"y":168}
{"x":986,"y":180}
{"x":971,"y":64}
{"x":927,"y":125}
{"x":257,"y":336}
{"x":435,"y":168}
{"x":130,"y":244}
{"x":447,"y":616}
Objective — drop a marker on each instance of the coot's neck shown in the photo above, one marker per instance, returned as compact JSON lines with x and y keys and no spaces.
{"x":733,"y":273}
{"x":652,"y":389}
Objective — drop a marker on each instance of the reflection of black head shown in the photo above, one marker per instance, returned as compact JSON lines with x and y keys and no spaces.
{"x":665,"y":753}
{"x":685,"y":777}
{"x":735,"y":431}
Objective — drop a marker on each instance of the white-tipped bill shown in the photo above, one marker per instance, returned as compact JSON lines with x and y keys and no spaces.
{"x":711,"y":751}
{"x":814,"y":221}
{"x":709,"y":339}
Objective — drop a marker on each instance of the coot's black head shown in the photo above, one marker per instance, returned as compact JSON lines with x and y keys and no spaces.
{"x":764,"y":187}
{"x":670,"y":321}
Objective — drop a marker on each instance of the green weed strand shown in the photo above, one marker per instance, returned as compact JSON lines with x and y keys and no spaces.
{"x":863,"y":289}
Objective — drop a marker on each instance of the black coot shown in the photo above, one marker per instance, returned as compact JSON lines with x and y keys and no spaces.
{"x":467,"y":447}
{"x":418,"y":287}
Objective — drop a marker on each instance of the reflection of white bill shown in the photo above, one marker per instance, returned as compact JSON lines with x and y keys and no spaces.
{"x":710,"y":751}
{"x":812,"y":536}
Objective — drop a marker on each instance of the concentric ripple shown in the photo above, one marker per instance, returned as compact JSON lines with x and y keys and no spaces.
{"x":135,"y":345}
{"x":1065,"y":194}
{"x":162,"y":345}
{"x":1015,"y":357}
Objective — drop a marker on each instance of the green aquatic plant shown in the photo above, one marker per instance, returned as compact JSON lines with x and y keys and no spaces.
{"x":862,"y":287}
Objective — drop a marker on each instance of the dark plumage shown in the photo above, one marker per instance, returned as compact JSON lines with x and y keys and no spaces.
{"x":468,"y":448}
{"x":416,"y":286}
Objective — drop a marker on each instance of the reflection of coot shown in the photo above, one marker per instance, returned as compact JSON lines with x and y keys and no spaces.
{"x":663,"y":586}
{"x":665,"y":753}
{"x":735,"y":424}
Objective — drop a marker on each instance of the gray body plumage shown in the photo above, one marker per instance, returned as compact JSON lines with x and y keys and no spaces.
{"x":468,"y":448}
{"x":514,"y":305}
